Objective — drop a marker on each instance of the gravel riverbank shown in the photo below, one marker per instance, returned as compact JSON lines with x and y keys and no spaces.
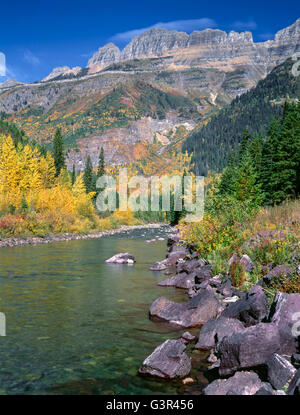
{"x":11,"y":242}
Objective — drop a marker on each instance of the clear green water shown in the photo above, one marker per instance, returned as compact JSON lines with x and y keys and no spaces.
{"x":76,"y":325}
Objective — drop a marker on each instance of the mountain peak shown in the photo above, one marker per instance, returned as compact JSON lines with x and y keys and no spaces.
{"x":56,"y":72}
{"x":9,"y":83}
{"x":105,"y":55}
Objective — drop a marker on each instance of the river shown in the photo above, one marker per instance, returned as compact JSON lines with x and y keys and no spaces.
{"x":76,"y":325}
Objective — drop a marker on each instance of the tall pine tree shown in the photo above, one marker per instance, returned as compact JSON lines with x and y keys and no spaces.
{"x":287,"y":164}
{"x":73,"y":176}
{"x":267,"y":174}
{"x":58,"y":152}
{"x":88,"y":178}
{"x":101,"y":165}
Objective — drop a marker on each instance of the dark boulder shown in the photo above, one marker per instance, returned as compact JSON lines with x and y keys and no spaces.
{"x":242,"y":383}
{"x":267,"y":389}
{"x":197,"y":311}
{"x":168,"y":361}
{"x":294,"y":388}
{"x":174,"y":257}
{"x":190,"y":265}
{"x":121,"y":259}
{"x":173,"y":240}
{"x":248,"y":348}
{"x":202,"y":274}
{"x":251,"y":309}
{"x":226,"y":288}
{"x":215,"y":330}
{"x":187,"y":337}
{"x":280,"y":371}
{"x":182,"y":280}
{"x":285,"y":313}
{"x":159,"y":266}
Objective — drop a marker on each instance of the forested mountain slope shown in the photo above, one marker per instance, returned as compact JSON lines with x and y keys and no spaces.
{"x":252,"y":111}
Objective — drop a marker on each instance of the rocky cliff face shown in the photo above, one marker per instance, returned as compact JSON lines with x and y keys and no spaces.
{"x":105,"y":56}
{"x":209,"y":68}
{"x":202,"y":47}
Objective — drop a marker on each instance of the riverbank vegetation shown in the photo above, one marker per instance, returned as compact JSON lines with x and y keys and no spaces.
{"x":253,"y":208}
{"x":38,"y":198}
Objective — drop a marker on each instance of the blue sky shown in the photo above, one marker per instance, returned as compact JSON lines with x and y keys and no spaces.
{"x":37,"y":36}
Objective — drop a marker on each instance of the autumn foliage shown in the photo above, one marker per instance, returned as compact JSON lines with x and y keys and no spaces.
{"x":35,"y":202}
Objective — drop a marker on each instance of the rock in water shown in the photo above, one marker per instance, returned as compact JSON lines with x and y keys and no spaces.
{"x":242,"y":383}
{"x":285,"y":313}
{"x":159,"y":266}
{"x":215,"y":330}
{"x":121,"y":259}
{"x":280,"y":371}
{"x":197,"y":311}
{"x":248,"y":348}
{"x":187,"y":337}
{"x":168,"y":361}
{"x":181,"y":280}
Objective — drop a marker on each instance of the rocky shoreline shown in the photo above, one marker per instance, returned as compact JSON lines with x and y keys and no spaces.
{"x":254,"y":348}
{"x":13,"y":242}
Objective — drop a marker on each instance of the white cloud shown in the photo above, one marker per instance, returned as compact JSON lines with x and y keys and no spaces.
{"x":2,"y":64}
{"x":30,"y":58}
{"x":249,"y":25}
{"x":182,"y":25}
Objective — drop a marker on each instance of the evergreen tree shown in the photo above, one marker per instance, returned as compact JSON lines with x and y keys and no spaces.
{"x":101,"y":165}
{"x":88,"y":178}
{"x":245,"y":145}
{"x":229,"y":173}
{"x":246,"y":187}
{"x":287,"y":163}
{"x":267,"y":174}
{"x":256,"y":149}
{"x":73,"y":176}
{"x":58,"y":152}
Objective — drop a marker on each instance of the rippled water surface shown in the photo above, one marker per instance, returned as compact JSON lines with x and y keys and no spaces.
{"x":76,"y":325}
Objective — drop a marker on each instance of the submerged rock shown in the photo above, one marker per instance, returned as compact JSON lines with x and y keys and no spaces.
{"x":159,"y":266}
{"x":242,"y":383}
{"x":168,"y":361}
{"x":197,"y":311}
{"x":187,"y":337}
{"x":121,"y":259}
